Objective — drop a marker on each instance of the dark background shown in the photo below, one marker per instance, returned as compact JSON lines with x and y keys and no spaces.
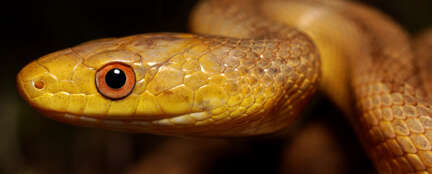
{"x":30,"y":143}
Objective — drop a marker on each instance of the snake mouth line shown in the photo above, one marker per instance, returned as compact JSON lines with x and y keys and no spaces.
{"x":72,"y":117}
{"x":184,"y":119}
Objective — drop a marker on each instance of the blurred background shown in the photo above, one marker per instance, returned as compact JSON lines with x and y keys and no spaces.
{"x":322,"y":142}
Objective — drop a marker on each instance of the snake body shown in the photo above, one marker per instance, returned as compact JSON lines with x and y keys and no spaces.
{"x":248,"y":71}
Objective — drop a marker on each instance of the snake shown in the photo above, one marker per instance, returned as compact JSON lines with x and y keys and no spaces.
{"x":248,"y":68}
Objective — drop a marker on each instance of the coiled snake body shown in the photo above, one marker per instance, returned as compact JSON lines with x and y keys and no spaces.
{"x":249,"y":72}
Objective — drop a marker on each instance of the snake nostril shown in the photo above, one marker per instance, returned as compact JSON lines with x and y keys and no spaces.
{"x":39,"y":84}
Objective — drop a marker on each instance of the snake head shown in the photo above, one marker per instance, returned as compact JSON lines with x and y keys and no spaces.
{"x":63,"y":84}
{"x":174,"y":84}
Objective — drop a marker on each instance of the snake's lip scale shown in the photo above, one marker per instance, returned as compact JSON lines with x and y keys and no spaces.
{"x":106,"y":121}
{"x":97,"y":122}
{"x":78,"y":119}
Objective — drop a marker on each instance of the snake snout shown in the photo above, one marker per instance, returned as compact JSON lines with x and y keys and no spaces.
{"x":46,"y":83}
{"x":29,"y":81}
{"x":34,"y":83}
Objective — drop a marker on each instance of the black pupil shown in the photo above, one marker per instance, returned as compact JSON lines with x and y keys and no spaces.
{"x":115,"y":78}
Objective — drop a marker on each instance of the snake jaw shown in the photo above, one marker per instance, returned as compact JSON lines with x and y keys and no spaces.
{"x":143,"y":126}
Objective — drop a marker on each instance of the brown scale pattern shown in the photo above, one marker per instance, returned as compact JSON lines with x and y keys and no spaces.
{"x":398,"y":127}
{"x":392,"y":104}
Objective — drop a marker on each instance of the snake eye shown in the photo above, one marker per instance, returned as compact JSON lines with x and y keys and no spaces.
{"x":115,"y":80}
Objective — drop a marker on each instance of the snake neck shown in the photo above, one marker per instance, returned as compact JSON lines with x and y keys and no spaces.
{"x":352,"y":40}
{"x":279,"y":19}
{"x":367,"y":65}
{"x":367,"y":55}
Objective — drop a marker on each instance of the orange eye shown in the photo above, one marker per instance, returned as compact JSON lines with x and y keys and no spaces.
{"x":115,"y":80}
